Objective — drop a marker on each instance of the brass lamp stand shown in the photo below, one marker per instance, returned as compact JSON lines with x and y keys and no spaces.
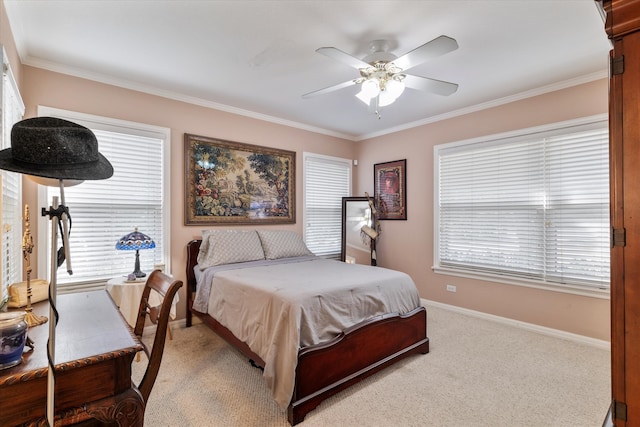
{"x":31,"y":318}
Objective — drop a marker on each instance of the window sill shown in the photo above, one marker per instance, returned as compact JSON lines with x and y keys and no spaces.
{"x":81,"y":286}
{"x":564,"y":288}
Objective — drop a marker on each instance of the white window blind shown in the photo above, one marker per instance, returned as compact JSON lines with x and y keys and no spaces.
{"x":12,"y":112}
{"x":102,"y":211}
{"x":533,"y":206}
{"x":326,"y":181}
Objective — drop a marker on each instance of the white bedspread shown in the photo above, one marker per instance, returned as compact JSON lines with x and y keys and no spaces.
{"x":278,"y":308}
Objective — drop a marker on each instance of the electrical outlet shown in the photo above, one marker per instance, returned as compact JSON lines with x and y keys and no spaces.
{"x":451,"y":288}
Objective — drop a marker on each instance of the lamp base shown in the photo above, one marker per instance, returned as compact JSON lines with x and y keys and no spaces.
{"x":33,"y":319}
{"x":139,"y":274}
{"x":136,"y":271}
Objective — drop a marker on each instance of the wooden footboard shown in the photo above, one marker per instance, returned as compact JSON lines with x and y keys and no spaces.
{"x":358,"y":352}
{"x":328,"y":368}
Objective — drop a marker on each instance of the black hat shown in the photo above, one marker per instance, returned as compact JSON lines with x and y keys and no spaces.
{"x":54,"y":148}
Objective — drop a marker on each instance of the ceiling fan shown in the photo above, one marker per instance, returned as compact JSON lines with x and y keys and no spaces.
{"x":382,"y":74}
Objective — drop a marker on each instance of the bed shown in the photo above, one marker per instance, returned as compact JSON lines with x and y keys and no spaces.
{"x":305,"y":359}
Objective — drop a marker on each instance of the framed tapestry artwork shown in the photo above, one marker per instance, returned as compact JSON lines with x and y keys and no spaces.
{"x":234,"y":183}
{"x":390,"y":189}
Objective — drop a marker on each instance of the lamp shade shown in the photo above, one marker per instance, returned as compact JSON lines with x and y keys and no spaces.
{"x":393,"y":89}
{"x":370,"y":88}
{"x":135,"y":241}
{"x":363,"y":97}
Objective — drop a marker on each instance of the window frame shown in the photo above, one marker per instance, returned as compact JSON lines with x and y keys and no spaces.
{"x":577,"y":289}
{"x":116,"y":125}
{"x":333,"y":159}
{"x":12,"y":269}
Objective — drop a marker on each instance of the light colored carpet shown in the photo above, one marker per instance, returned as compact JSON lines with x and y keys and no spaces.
{"x":478,"y":373}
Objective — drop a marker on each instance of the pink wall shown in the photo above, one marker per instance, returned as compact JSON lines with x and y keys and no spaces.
{"x":408,"y":245}
{"x":70,"y":93}
{"x":404,"y":245}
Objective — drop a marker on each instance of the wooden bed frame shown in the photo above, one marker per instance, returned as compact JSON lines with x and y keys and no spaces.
{"x":328,"y":368}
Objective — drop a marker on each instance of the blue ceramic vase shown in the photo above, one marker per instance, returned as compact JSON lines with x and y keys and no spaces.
{"x":13,"y":335}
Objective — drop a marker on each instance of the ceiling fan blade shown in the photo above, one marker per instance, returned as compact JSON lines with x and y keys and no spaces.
{"x":436,"y":47}
{"x":329,"y":89}
{"x":430,"y":85}
{"x":343,"y":57}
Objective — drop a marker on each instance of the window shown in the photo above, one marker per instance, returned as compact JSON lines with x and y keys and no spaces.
{"x":11,"y":204}
{"x":102,"y":211}
{"x":326,"y":181}
{"x":532,"y":206}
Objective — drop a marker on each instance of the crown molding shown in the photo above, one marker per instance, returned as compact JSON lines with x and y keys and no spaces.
{"x":152,"y":90}
{"x":491,"y":104}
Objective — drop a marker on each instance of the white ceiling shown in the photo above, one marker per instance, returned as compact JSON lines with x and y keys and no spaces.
{"x":258,"y":57}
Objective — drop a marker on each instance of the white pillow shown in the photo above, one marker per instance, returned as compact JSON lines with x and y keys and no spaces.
{"x":282,"y":244}
{"x":229,"y":247}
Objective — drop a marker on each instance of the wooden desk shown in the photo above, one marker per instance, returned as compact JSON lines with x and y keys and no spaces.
{"x":93,"y":355}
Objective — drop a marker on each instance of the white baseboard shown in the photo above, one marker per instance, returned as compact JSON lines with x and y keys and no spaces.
{"x":557,"y":333}
{"x":605,"y":345}
{"x":173,"y":324}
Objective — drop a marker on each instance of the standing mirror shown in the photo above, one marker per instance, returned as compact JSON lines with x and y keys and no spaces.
{"x":356,"y":247}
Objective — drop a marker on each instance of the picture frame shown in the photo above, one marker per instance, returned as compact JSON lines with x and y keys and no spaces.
{"x":390,"y":189}
{"x":228,"y":183}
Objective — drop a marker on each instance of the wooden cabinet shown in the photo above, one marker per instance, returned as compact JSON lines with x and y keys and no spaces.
{"x":623,"y":28}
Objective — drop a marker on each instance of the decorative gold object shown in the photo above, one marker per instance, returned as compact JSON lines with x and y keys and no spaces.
{"x":31,"y":318}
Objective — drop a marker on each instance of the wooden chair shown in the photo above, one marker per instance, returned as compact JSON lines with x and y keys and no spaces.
{"x":167,"y":287}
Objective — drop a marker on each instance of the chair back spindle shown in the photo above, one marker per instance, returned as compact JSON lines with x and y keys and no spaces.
{"x":167,"y":287}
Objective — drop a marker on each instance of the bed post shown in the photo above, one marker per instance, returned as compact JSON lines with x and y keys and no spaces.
{"x":193,"y":247}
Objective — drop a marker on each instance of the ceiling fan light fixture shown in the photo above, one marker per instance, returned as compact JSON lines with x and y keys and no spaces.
{"x":395,"y":88}
{"x":392,"y":90}
{"x":370,"y":88}
{"x":385,"y":99}
{"x":383,"y":75}
{"x":363,"y":97}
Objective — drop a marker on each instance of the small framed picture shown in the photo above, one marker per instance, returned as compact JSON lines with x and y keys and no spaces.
{"x":390,"y":189}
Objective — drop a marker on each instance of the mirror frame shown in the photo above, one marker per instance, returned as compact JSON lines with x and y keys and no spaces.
{"x":343,"y":251}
